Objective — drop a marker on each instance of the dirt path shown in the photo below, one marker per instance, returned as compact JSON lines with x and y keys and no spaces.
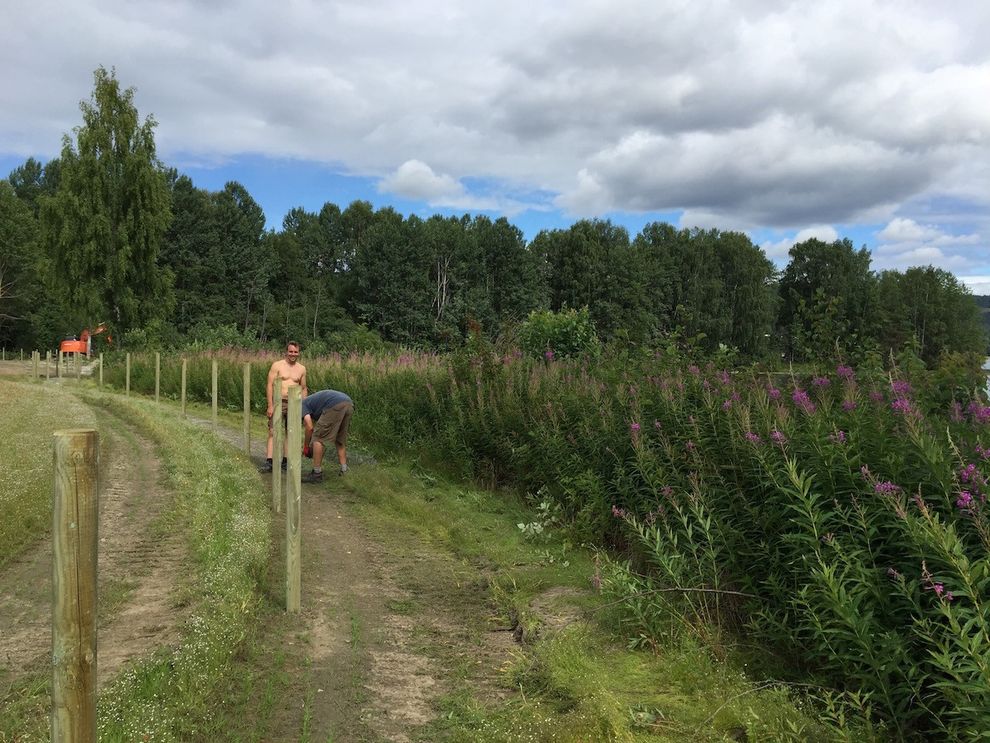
{"x":355,"y":653}
{"x":138,"y":568}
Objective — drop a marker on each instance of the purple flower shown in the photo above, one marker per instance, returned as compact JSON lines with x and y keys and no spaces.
{"x":633,"y":427}
{"x":821,"y":382}
{"x":801,"y":400}
{"x":839,"y":437}
{"x":777,"y":437}
{"x":724,"y":378}
{"x":956,"y":412}
{"x":844,"y":372}
{"x":548,"y":354}
{"x":694,"y":370}
{"x":903,"y":406}
{"x":876,"y":396}
{"x":753,"y":438}
{"x":666,"y":491}
{"x":965,"y":500}
{"x":979,"y":413}
{"x":656,"y":424}
{"x":849,"y":405}
{"x":727,"y":405}
{"x":774,"y":393}
{"x":900,"y":387}
{"x":689,"y":446}
{"x":619,"y":513}
{"x":885,"y":487}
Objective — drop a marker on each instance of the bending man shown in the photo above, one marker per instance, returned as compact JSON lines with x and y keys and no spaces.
{"x":326,"y":418}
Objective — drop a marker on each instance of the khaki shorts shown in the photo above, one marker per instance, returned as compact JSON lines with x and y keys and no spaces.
{"x":331,"y":428}
{"x":285,"y":416}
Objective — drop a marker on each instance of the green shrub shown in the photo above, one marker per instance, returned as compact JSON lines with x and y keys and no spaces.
{"x":562,"y":334}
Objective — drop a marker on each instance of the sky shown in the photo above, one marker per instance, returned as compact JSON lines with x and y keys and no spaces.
{"x":859,"y":119}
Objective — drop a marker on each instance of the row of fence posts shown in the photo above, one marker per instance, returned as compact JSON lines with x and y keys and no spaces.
{"x":75,"y":520}
{"x":63,"y":362}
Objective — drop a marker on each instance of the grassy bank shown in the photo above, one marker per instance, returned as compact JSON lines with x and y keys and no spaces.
{"x":32,"y":412}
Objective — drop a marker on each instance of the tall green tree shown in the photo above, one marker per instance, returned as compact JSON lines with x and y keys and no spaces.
{"x":20,"y":284}
{"x":930,"y":306}
{"x":105,"y":223}
{"x":828,"y":297}
{"x":714,"y":287}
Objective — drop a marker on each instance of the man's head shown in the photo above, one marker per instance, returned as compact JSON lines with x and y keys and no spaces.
{"x":292,"y":352}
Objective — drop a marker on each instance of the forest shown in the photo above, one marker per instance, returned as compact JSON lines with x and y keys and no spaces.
{"x":107,"y":233}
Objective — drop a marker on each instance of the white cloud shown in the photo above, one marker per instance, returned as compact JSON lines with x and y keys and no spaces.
{"x":778,"y":250}
{"x":977,"y":284}
{"x":416,"y":180}
{"x":903,"y":243}
{"x":756,"y":113}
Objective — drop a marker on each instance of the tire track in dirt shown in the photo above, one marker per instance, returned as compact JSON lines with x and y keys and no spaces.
{"x":356,"y":660}
{"x":138,"y":569}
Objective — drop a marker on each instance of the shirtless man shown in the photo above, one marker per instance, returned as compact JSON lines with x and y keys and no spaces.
{"x":292,"y":373}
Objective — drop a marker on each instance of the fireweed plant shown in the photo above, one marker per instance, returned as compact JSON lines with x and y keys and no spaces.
{"x":839,"y":519}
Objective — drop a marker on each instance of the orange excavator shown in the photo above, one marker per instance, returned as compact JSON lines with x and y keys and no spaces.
{"x":84,"y":344}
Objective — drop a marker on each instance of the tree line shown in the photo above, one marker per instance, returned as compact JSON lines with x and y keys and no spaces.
{"x":107,"y":233}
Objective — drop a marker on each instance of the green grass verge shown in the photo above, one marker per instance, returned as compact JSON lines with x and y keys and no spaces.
{"x":572,"y":677}
{"x":32,"y":413}
{"x":222,"y":506}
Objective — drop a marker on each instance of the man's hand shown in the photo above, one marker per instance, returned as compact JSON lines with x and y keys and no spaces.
{"x":308,"y":452}
{"x":271,"y":410}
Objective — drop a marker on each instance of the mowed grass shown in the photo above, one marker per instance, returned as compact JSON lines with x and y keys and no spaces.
{"x":571,"y":675}
{"x":32,"y":412}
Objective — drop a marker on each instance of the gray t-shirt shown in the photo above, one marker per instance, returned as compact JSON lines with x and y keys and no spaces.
{"x":315,"y":404}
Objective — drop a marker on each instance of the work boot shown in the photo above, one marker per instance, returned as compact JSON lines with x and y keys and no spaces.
{"x":313,"y":477}
{"x":343,"y":469}
{"x":266,"y":467}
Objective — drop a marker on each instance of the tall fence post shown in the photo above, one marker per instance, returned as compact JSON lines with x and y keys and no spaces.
{"x":58,"y":367}
{"x":293,"y":501}
{"x":79,"y":365}
{"x":215,"y":394}
{"x":247,"y":407}
{"x":35,"y":365}
{"x":183,"y":392}
{"x":127,"y":375}
{"x":48,"y":365}
{"x":75,"y":520}
{"x":278,"y":437}
{"x":158,"y":373}
{"x":101,"y":370}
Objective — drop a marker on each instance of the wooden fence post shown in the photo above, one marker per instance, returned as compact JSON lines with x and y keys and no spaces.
{"x":158,"y":373}
{"x":78,"y":365}
{"x":75,"y":520}
{"x":48,"y":365}
{"x":215,"y":394}
{"x":277,"y":438}
{"x":293,"y":501}
{"x":101,"y":370}
{"x":183,"y":393}
{"x":127,"y":376}
{"x":35,"y":364}
{"x":247,"y":407}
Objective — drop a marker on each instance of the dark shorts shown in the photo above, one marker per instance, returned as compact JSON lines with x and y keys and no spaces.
{"x":285,"y":416}
{"x":331,"y":428}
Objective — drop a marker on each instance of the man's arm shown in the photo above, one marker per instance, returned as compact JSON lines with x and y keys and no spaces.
{"x":302,"y":383}
{"x":308,"y":426}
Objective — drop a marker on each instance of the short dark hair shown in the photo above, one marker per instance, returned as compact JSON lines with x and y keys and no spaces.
{"x":293,"y":343}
